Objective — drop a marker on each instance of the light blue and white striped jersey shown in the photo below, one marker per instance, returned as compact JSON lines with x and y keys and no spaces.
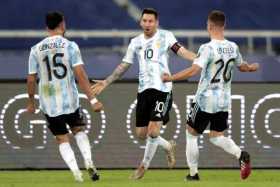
{"x":53,"y":59}
{"x":217,"y":59}
{"x":152,"y":56}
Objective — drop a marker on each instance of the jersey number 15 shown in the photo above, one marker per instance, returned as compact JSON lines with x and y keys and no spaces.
{"x":56,"y":64}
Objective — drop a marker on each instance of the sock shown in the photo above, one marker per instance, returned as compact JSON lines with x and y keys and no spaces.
{"x":150,"y":150}
{"x":69,"y":157}
{"x":84,"y":146}
{"x":227,"y":144}
{"x":192,"y":153}
{"x":163,"y":143}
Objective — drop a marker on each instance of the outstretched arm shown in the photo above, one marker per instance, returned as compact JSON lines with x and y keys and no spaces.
{"x":245,"y":67}
{"x":117,"y":73}
{"x":186,"y":54}
{"x":187,"y":73}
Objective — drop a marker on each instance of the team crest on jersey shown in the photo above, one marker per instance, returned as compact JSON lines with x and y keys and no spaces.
{"x":158,"y":44}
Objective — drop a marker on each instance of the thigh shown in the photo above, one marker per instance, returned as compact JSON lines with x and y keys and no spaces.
{"x":57,"y":125}
{"x":160,"y":105}
{"x":142,"y":110}
{"x":219,"y":121}
{"x":197,"y":119}
{"x":75,"y":119}
{"x":168,"y":104}
{"x":141,"y":132}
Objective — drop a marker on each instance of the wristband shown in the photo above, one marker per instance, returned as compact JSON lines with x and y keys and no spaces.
{"x":93,"y":101}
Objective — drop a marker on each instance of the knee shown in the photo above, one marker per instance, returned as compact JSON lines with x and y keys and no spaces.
{"x":216,"y":140}
{"x":75,"y":130}
{"x":153,"y":134}
{"x":62,"y":139}
{"x":141,"y":135}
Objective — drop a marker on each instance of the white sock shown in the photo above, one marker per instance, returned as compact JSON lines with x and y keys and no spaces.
{"x":150,"y":150}
{"x":227,"y":144}
{"x":163,"y":143}
{"x":69,"y":157}
{"x":192,"y":153}
{"x":84,"y":146}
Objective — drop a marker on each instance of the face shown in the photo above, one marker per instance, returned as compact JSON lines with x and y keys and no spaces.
{"x":63,"y":27}
{"x":209,"y":27}
{"x":149,"y":24}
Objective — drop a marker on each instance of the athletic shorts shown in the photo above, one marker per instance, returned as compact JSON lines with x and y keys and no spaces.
{"x":57,"y":125}
{"x":199,"y":120}
{"x":153,"y":105}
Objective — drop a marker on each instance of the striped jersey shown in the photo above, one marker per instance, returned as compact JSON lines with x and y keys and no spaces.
{"x":217,"y":59}
{"x":152,"y":56}
{"x":53,"y":60}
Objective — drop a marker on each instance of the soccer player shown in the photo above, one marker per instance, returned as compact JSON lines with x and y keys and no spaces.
{"x":154,"y":98}
{"x":215,"y":60}
{"x":57,"y":62}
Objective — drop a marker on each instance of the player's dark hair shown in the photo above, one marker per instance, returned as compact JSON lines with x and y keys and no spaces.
{"x":150,"y":11}
{"x":53,"y":19}
{"x":217,"y":17}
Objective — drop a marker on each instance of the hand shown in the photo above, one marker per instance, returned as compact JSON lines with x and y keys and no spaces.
{"x":166,"y":77}
{"x":98,"y":87}
{"x":97,"y":107}
{"x":30,"y":107}
{"x":254,"y":66}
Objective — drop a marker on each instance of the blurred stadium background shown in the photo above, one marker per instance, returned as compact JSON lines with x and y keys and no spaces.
{"x":103,"y":29}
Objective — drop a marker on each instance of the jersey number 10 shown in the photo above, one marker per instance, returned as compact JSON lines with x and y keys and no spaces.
{"x":55,"y":65}
{"x":148,"y":54}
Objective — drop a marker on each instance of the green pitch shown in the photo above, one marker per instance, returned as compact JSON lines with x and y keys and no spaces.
{"x":162,"y":178}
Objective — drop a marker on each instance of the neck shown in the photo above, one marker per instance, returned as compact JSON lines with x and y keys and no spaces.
{"x":217,"y":35}
{"x":147,"y":36}
{"x":55,"y":32}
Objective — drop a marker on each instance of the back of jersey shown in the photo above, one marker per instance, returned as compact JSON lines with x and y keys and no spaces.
{"x":53,"y":59}
{"x":217,"y":59}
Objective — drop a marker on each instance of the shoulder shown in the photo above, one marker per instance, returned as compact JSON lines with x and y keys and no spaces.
{"x":73,"y":46}
{"x":166,"y":33}
{"x":233,"y":44}
{"x":207,"y":47}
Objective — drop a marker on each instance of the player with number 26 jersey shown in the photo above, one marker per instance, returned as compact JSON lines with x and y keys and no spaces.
{"x":53,"y":59}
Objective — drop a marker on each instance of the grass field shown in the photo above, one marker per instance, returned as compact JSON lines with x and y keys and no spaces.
{"x":162,"y":178}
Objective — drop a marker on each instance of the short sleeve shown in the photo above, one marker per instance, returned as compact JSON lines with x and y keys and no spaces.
{"x":130,"y":53}
{"x":171,"y":40}
{"x":75,"y":56}
{"x":32,"y":63}
{"x":203,"y":56}
{"x":239,"y":59}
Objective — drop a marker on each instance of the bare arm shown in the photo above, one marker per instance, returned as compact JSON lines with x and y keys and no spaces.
{"x":117,"y":73}
{"x":186,"y":54}
{"x":245,"y":67}
{"x":84,"y":84}
{"x":31,"y":86}
{"x":187,"y":73}
{"x":83,"y":81}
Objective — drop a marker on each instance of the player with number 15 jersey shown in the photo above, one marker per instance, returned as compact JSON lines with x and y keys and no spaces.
{"x":53,"y":59}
